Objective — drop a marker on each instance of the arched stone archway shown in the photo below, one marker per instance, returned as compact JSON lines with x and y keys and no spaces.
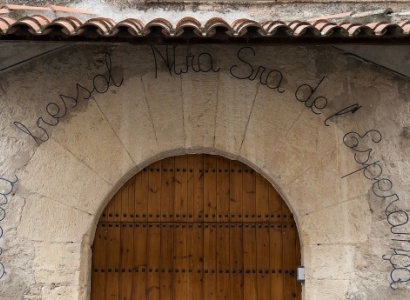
{"x":69,"y":179}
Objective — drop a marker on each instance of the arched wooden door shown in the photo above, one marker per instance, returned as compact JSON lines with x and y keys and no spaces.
{"x":196,"y":227}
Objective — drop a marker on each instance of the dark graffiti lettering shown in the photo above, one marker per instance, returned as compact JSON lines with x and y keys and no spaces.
{"x":271,"y":78}
{"x":203,"y":62}
{"x":6,"y":188}
{"x":382,"y":188}
{"x":305,"y":94}
{"x":56,"y":111}
{"x":350,"y":109}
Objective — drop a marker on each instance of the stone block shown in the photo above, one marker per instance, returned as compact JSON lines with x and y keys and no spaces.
{"x":57,"y":174}
{"x":63,"y":293}
{"x":272,"y":116}
{"x":333,"y":262}
{"x":324,"y":185}
{"x":57,"y":263}
{"x":342,"y":223}
{"x":44,"y":219}
{"x":89,"y":137}
{"x":127,"y":112}
{"x":306,"y":142}
{"x":235,"y":102}
{"x":200,"y":96}
{"x":326,"y":289}
{"x":164,"y":97}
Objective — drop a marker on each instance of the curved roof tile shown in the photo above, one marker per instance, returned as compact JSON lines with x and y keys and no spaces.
{"x":215,"y":28}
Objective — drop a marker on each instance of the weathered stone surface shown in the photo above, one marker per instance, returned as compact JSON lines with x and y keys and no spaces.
{"x":235,"y":102}
{"x":326,"y":289}
{"x":352,"y":226}
{"x":268,"y":124}
{"x":86,"y":145}
{"x":324,"y":185}
{"x":166,"y":108}
{"x":63,"y":292}
{"x":128,"y":114}
{"x":47,"y":174}
{"x":47,"y":220}
{"x":59,"y":261}
{"x":332,"y":262}
{"x":200,"y":96}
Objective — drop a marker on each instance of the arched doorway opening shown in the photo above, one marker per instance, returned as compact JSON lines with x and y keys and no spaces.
{"x":196,"y":227}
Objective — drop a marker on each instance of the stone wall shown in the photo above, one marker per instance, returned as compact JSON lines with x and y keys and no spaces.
{"x":79,"y":122}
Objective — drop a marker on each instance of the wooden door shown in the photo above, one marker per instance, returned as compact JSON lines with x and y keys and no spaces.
{"x":196,"y":227}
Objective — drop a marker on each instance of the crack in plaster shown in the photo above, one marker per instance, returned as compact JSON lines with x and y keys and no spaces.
{"x":249,"y":118}
{"x":149,"y":111}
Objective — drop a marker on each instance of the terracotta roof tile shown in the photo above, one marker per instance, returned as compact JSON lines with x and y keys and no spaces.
{"x":78,"y":25}
{"x":23,"y":7}
{"x":69,"y":10}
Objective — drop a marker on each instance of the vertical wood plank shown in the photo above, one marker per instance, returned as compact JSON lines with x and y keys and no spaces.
{"x":210,"y":177}
{"x":223,"y":263}
{"x":167,"y":232}
{"x":111,"y":210}
{"x":263,"y":262}
{"x":235,"y":203}
{"x":236,"y":261}
{"x":181,"y":189}
{"x":196,"y":290}
{"x":117,"y":206}
{"x":167,"y":261}
{"x":181,"y":261}
{"x":167,"y":190}
{"x":249,"y":260}
{"x":141,"y":195}
{"x":223,"y":199}
{"x":195,"y":234}
{"x":262,"y":198}
{"x":153,"y":260}
{"x":210,"y":261}
{"x":124,"y":211}
{"x":140,"y":261}
{"x":249,"y":196}
{"x":276,"y":257}
{"x":99,"y":263}
{"x":275,"y":205}
{"x":113,"y":261}
{"x":127,"y":256}
{"x":210,"y":210}
{"x":223,"y":166}
{"x":289,"y":260}
{"x":198,"y":186}
{"x":249,"y":231}
{"x":154,"y":192}
{"x":131,"y":199}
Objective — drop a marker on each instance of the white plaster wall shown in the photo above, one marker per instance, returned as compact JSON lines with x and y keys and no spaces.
{"x":66,"y":181}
